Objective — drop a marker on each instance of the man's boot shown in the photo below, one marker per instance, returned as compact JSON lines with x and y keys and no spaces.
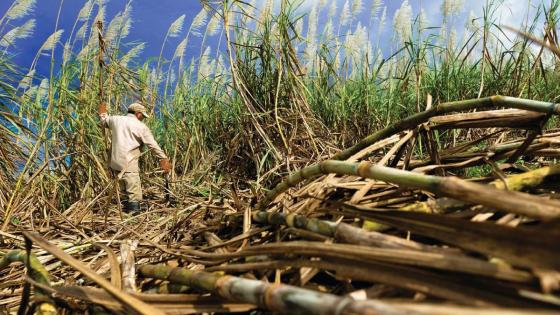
{"x":132,"y":206}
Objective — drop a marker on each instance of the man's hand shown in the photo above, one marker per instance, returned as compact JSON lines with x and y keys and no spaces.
{"x":165,"y":165}
{"x":102,"y":108}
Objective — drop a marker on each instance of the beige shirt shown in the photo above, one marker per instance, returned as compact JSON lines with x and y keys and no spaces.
{"x":128,"y":135}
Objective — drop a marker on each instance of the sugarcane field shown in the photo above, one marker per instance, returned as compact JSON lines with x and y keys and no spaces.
{"x":280,"y":157}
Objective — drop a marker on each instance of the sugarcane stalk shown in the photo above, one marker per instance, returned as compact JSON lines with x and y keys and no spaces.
{"x":444,"y":108}
{"x":394,"y":275}
{"x":508,"y":201}
{"x":515,"y":182}
{"x":285,"y":299}
{"x":449,"y":261}
{"x":342,"y":232}
{"x":38,"y":274}
{"x":358,"y":253}
{"x":510,"y":118}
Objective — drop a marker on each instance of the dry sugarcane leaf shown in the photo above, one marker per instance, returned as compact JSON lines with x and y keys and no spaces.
{"x":357,"y":253}
{"x":522,"y":246}
{"x":114,"y":263}
{"x":127,"y":300}
{"x":445,"y":309}
{"x":128,"y":278}
{"x":465,"y":146}
{"x":169,"y":303}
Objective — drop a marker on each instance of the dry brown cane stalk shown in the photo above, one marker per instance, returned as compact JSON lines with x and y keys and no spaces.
{"x":443,"y":108}
{"x":508,"y":201}
{"x":279,"y":298}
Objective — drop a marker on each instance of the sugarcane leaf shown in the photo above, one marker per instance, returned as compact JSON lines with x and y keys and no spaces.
{"x":127,"y":300}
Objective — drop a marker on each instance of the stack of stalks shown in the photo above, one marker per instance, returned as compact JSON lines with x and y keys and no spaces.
{"x":400,"y":223}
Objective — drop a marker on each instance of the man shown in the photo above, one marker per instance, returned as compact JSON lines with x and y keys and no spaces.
{"x":128,"y":134}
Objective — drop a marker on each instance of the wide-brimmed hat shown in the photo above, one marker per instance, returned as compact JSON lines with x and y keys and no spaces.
{"x":138,"y":108}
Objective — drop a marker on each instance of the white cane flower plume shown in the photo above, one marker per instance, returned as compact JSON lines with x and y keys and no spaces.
{"x":361,"y":39}
{"x":27,"y":80}
{"x":153,"y":78}
{"x":126,"y":22}
{"x":176,"y":27}
{"x":353,"y":44}
{"x":265,"y":11}
{"x":221,"y":70}
{"x":214,"y":25}
{"x":19,"y":9}
{"x":347,"y":39}
{"x":198,"y":21}
{"x":30,"y":94}
{"x":81,"y":33}
{"x":378,"y":55}
{"x":84,"y":53}
{"x":134,"y":52}
{"x":328,"y":29}
{"x":204,"y":69}
{"x":212,"y":67}
{"x":383,"y":19}
{"x":322,"y":3}
{"x":356,"y":7}
{"x":443,"y":33}
{"x":100,"y":17}
{"x":274,"y":29}
{"x":345,"y":14}
{"x":66,"y":53}
{"x":85,"y":11}
{"x":312,"y":24}
{"x":172,"y":76}
{"x":43,"y":89}
{"x":472,"y":24}
{"x":18,"y":32}
{"x":298,"y":27}
{"x":452,"y":38}
{"x":311,"y":47}
{"x":332,"y":10}
{"x":376,"y":9}
{"x":180,"y":50}
{"x":337,"y":60}
{"x":338,"y":55}
{"x":370,"y":53}
{"x":357,"y":42}
{"x":451,"y":7}
{"x":310,"y":55}
{"x":402,"y":21}
{"x":348,"y":45}
{"x":119,"y":27}
{"x":51,"y":41}
{"x":422,"y":20}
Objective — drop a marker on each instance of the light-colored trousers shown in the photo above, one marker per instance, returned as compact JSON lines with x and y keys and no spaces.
{"x":131,"y":186}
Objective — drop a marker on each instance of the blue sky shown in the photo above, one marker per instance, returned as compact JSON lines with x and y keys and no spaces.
{"x":151,"y":19}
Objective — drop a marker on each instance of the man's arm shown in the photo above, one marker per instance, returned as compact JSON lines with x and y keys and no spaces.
{"x":150,"y":142}
{"x":103,"y":115}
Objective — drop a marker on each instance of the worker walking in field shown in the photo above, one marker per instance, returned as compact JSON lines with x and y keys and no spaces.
{"x":128,"y":134}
